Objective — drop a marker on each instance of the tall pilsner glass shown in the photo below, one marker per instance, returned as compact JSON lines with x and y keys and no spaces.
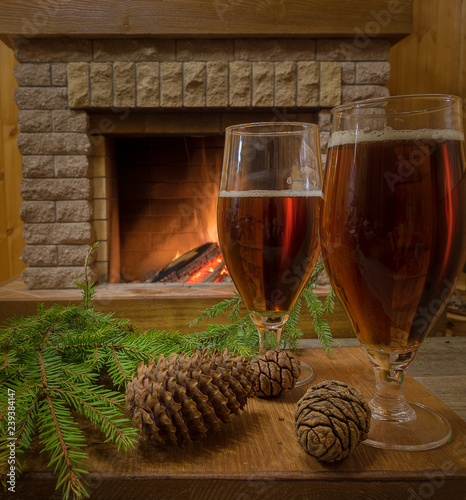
{"x":268,"y":216}
{"x":393,"y":232}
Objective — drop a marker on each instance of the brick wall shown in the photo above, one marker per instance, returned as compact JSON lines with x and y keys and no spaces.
{"x":63,"y":83}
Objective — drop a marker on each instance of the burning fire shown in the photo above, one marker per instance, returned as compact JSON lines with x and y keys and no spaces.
{"x":209,"y":268}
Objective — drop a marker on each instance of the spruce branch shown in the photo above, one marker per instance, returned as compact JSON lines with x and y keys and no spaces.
{"x":51,"y":376}
{"x":219,"y":309}
{"x":87,"y":285}
{"x":63,"y":440}
{"x":321,"y":325}
{"x":102,"y":410}
{"x":329,"y":304}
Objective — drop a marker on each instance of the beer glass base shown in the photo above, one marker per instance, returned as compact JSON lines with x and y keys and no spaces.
{"x":424,"y":431}
{"x":307,"y":374}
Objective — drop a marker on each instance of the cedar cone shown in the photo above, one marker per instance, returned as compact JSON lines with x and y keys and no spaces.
{"x":331,"y":420}
{"x":276,"y":372}
{"x":182,"y":397}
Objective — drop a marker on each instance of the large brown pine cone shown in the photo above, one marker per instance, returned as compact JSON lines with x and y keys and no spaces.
{"x":182,"y":397}
{"x":331,"y":420}
{"x":276,"y":372}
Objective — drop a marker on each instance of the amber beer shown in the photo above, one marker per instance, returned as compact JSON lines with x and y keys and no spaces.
{"x":269,"y":241}
{"x":393,"y":229}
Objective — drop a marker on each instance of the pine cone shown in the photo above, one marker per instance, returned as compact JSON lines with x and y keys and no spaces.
{"x":183,"y":397}
{"x":276,"y":372}
{"x":331,"y":420}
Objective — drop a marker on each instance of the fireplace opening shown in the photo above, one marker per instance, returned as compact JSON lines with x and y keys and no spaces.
{"x":162,"y":208}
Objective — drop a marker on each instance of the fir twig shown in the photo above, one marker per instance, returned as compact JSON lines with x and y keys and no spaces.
{"x":219,"y":309}
{"x":318,"y":309}
{"x":87,"y":285}
{"x":50,"y":377}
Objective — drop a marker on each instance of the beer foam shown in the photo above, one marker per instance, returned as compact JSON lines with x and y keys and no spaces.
{"x":270,"y":193}
{"x":388,"y":134}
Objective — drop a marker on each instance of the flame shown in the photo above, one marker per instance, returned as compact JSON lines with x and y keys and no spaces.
{"x":223,"y":273}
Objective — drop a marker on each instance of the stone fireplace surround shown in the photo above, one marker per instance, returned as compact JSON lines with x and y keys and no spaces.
{"x":73,"y":92}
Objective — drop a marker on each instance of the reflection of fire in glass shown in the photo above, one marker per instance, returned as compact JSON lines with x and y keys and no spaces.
{"x":167,"y":188}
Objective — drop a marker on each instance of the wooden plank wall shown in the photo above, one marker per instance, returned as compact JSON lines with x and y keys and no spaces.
{"x":11,"y":227}
{"x":433,"y":58}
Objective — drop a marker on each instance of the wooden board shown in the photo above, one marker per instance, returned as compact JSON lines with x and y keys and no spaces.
{"x":258,"y":456}
{"x":168,"y":313}
{"x":11,"y":226}
{"x":219,"y":18}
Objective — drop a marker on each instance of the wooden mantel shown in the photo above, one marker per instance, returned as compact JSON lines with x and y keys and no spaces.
{"x":206,"y":18}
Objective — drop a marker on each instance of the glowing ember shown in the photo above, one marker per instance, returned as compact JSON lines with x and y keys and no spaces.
{"x":223,"y":273}
{"x":213,"y":266}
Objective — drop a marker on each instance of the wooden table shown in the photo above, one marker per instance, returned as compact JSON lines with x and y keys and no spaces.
{"x":258,"y":456}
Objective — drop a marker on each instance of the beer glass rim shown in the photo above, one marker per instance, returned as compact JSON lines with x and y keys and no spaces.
{"x":270,"y":128}
{"x":439,"y":101}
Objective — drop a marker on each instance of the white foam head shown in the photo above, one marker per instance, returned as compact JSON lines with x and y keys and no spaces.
{"x":350,"y":136}
{"x":270,"y":193}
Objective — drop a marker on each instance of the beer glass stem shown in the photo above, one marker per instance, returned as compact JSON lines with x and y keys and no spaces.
{"x":389,"y":402}
{"x":269,"y":337}
{"x":397,"y":425}
{"x":270,"y":330}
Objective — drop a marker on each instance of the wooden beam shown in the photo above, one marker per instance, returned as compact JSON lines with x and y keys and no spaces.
{"x":11,"y":226}
{"x":206,"y":18}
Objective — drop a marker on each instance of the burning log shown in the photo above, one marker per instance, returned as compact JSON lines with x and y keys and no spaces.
{"x":216,"y":274}
{"x":183,"y":269}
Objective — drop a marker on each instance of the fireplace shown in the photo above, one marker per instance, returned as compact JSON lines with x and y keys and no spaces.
{"x":166,"y":188}
{"x":161,"y":196}
{"x":122,"y":134}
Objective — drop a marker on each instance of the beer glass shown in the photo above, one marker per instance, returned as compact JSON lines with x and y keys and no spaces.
{"x":268,"y":216}
{"x":393,"y":241}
